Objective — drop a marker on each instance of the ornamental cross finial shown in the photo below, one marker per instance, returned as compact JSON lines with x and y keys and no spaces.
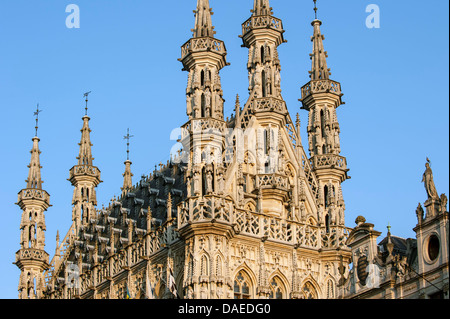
{"x":86,"y":96}
{"x":37,"y":118}
{"x":127,"y":137}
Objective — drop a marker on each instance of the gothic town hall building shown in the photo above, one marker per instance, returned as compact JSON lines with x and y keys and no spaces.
{"x":242,"y":211}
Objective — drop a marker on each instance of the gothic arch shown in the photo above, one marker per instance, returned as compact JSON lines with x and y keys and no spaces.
{"x":244,"y":282}
{"x":205,"y":264}
{"x":330,"y":288}
{"x":250,"y":159}
{"x":262,"y":54}
{"x":283,"y":283}
{"x":179,"y":282}
{"x":219,"y":267}
{"x":190,"y":266}
{"x":263,"y":79}
{"x":160,"y":289}
{"x":311,"y":221}
{"x":290,"y":172}
{"x":250,"y":205}
{"x":230,"y":198}
{"x":202,"y":78}
{"x":310,"y":289}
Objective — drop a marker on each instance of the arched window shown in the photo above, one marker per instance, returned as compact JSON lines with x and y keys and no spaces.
{"x":203,"y":181}
{"x":202,"y":78}
{"x":203,"y":105}
{"x":213,"y":178}
{"x":262,"y":55}
{"x":276,"y":289}
{"x":327,"y":223}
{"x":242,"y":286}
{"x":325,"y":195}
{"x":266,"y":141}
{"x":322,"y":123}
{"x":309,"y":292}
{"x":263,"y":79}
{"x":204,"y":269}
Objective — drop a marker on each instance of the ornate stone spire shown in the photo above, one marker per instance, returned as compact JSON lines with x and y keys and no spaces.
{"x":85,"y":154}
{"x":127,"y":176}
{"x":203,"y":21}
{"x":262,"y":34}
{"x":32,"y":258}
{"x":34,"y":180}
{"x":319,"y":69}
{"x":203,"y":56}
{"x":85,"y":177}
{"x":34,"y":173}
{"x":321,"y":97}
{"x":261,"y":7}
{"x":238,"y":112}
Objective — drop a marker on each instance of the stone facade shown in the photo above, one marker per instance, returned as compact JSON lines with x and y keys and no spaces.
{"x":241,"y":212}
{"x":399,"y":268}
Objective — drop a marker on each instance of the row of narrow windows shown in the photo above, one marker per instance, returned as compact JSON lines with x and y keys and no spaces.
{"x":85,"y":192}
{"x":266,"y":91}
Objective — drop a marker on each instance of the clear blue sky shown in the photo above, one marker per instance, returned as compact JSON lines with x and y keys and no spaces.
{"x":395,"y":81}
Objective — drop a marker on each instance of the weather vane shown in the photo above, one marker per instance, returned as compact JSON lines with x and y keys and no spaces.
{"x":127,"y":137}
{"x":315,"y":8}
{"x":86,"y":96}
{"x":37,"y":118}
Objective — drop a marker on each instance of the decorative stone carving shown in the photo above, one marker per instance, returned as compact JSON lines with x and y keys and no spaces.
{"x":428,"y":181}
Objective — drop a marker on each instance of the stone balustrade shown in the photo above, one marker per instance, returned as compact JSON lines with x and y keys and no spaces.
{"x":262,"y":22}
{"x":328,"y":161}
{"x":33,"y":193}
{"x":321,"y":86}
{"x":203,"y":44}
{"x":85,"y":170}
{"x":269,"y":104}
{"x":32,"y":254}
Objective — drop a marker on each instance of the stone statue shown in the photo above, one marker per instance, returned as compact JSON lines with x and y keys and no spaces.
{"x":429,"y":183}
{"x":444,"y":200}
{"x":209,"y":178}
{"x":189,"y":106}
{"x":196,"y":183}
{"x":419,"y":212}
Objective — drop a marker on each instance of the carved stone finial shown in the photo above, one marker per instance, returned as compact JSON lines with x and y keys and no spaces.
{"x":444,"y":200}
{"x":360,"y":220}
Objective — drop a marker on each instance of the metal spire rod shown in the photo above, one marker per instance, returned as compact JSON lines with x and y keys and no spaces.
{"x":315,"y":8}
{"x":86,"y":96}
{"x":127,"y":137}
{"x":37,"y":118}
